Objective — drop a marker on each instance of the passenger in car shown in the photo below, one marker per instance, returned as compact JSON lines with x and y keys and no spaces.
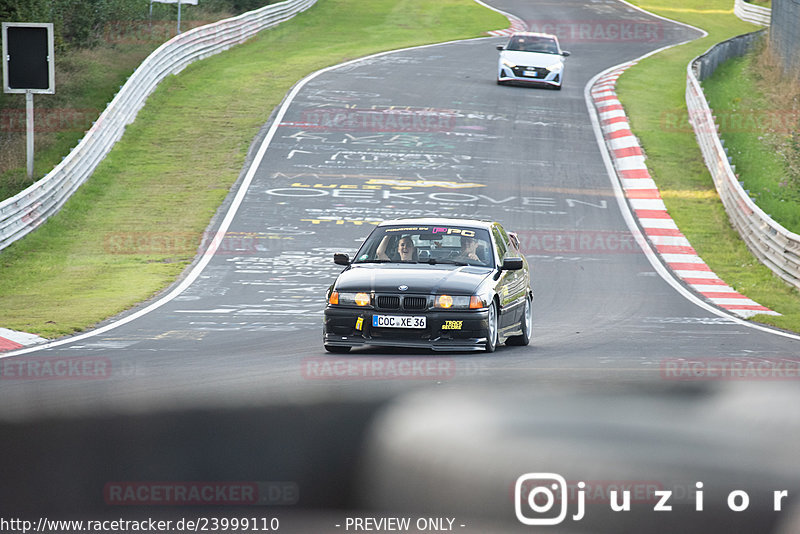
{"x":469,"y":250}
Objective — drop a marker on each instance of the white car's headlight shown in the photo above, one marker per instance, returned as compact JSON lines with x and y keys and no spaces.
{"x":507,"y":63}
{"x":555,"y":66}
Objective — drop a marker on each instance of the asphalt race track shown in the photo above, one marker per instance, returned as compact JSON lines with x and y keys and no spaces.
{"x":229,"y":381}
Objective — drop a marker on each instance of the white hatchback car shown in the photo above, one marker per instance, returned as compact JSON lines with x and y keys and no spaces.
{"x":532,"y":58}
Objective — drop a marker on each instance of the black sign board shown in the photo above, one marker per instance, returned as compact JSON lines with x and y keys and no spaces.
{"x":28,"y":58}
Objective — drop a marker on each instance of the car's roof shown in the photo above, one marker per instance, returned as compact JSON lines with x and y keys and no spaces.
{"x":439,"y":221}
{"x":534,"y":34}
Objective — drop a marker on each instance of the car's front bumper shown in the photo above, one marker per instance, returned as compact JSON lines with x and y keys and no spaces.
{"x":543,"y":77}
{"x":444,"y":331}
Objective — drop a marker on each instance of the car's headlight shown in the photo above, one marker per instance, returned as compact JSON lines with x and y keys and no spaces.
{"x":555,"y":66}
{"x":449,"y":302}
{"x":507,"y":63}
{"x":349,"y":299}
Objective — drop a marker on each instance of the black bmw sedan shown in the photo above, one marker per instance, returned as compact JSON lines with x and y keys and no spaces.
{"x":443,"y":284}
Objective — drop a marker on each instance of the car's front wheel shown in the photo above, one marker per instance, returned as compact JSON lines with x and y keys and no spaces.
{"x":525,"y":324}
{"x":337,"y":349}
{"x":491,"y":328}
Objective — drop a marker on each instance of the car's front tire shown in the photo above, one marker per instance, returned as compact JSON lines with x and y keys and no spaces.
{"x":337,"y":349}
{"x":492,"y":332}
{"x":526,"y":325}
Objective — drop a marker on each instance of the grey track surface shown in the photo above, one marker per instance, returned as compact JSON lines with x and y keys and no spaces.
{"x":245,"y":330}
{"x":255,"y":311}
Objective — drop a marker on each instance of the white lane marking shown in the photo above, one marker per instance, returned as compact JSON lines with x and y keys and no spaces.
{"x":670,"y":240}
{"x":648,"y":204}
{"x":708,"y":275}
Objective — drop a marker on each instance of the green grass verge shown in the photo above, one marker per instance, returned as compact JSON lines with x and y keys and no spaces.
{"x":653,"y":93}
{"x":755,"y":127}
{"x":176,"y":163}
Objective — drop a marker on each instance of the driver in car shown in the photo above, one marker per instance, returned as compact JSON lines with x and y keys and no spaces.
{"x":405,"y":249}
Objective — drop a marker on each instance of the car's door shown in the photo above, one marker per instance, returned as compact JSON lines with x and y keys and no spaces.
{"x":511,"y":285}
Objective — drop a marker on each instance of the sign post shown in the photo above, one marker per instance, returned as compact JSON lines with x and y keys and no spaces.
{"x":29,"y":128}
{"x":179,"y":2}
{"x":28,"y":67}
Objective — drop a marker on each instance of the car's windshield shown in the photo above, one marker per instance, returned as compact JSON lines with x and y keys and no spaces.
{"x":451,"y":244}
{"x":528,"y":43}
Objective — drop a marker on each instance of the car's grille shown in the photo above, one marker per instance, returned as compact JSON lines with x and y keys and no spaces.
{"x":409,"y":302}
{"x":388,"y":302}
{"x":540,"y":72}
{"x":415,"y":303}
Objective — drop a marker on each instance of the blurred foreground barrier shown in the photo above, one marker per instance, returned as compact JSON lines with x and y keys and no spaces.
{"x":771,"y":243}
{"x":24,"y":212}
{"x":245,"y":460}
{"x":527,"y":456}
{"x":752,"y":13}
{"x":474,"y":454}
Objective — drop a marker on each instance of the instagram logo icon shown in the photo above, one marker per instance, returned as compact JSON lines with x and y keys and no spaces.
{"x":540,"y":498}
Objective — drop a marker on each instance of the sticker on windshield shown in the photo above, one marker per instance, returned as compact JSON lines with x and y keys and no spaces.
{"x":409,"y":229}
{"x":450,"y":231}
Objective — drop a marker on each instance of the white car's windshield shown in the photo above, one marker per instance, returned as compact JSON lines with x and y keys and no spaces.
{"x":527,"y":43}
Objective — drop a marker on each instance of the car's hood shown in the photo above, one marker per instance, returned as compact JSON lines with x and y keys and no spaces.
{"x":530,"y":59}
{"x":424,"y":279}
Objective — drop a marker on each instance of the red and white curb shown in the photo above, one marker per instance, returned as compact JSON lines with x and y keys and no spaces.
{"x":517,"y":25}
{"x":12,"y":340}
{"x":645,"y":200}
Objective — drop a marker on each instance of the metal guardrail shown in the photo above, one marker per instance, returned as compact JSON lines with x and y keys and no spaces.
{"x":751,"y":13}
{"x":27,"y":210}
{"x":771,"y":243}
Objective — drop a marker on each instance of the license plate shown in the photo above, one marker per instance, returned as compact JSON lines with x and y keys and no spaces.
{"x":398,"y":321}
{"x":531,"y":73}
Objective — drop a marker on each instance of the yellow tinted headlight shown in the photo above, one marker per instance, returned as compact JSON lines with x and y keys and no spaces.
{"x":343,"y":298}
{"x":444,"y":301}
{"x":448,"y":302}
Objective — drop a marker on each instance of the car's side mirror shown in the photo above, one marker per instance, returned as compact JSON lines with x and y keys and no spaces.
{"x":565,"y":53}
{"x":341,"y":259}
{"x":512,"y":264}
{"x":501,"y":47}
